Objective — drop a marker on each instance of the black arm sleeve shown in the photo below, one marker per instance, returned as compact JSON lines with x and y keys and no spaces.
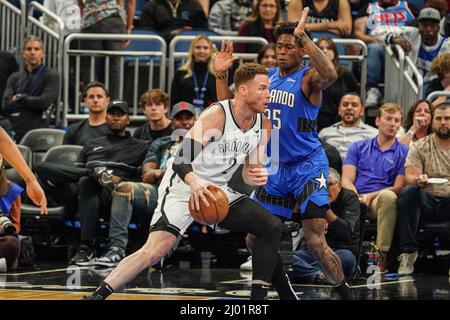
{"x":186,"y":154}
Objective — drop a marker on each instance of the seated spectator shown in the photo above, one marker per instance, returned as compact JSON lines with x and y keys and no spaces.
{"x":96,"y":98}
{"x":139,"y":199}
{"x":169,"y":17}
{"x":226,"y":16}
{"x":65,"y":192}
{"x":329,"y":16}
{"x":95,"y":193}
{"x":351,"y":129}
{"x":342,"y":235}
{"x":442,"y":7}
{"x":266,"y":16}
{"x":421,"y":199}
{"x":9,"y":221}
{"x":374,"y":18}
{"x":155,"y":104}
{"x":346,"y":82}
{"x":417,"y":122}
{"x":194,"y":81}
{"x":440,"y":68}
{"x":8,"y":65}
{"x":374,"y":169}
{"x":32,"y":92}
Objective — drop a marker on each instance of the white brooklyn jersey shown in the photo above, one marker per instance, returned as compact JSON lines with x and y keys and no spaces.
{"x":216,"y":163}
{"x":219,"y":159}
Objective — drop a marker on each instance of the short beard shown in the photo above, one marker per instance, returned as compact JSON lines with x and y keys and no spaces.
{"x":443,"y":136}
{"x":352,"y":122}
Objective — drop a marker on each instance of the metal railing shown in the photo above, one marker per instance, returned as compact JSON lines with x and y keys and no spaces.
{"x":176,"y":56}
{"x":53,"y":41}
{"x":13,"y":26}
{"x":412,"y":86}
{"x":393,"y":73}
{"x":152,"y":59}
{"x":437,"y":94}
{"x":403,"y":82}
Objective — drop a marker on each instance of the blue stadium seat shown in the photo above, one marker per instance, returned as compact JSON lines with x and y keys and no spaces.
{"x":143,"y":45}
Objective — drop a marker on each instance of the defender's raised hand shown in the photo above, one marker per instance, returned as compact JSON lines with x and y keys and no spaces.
{"x":224,"y":58}
{"x":298,"y":32}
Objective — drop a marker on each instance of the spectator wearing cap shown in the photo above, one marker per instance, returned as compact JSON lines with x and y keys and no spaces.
{"x":139,"y":199}
{"x":95,"y":191}
{"x":155,"y":105}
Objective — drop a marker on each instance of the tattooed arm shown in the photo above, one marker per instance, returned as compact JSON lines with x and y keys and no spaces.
{"x":323,"y":73}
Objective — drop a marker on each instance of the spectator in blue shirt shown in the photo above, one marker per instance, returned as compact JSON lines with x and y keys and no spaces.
{"x":375,"y":170}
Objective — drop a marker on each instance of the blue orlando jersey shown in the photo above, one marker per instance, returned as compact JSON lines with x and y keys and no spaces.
{"x":290,"y":110}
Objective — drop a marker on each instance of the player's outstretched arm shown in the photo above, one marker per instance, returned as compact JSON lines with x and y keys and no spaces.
{"x":323,"y":73}
{"x":223,"y":62}
{"x":206,"y":129}
{"x":253,"y":172}
{"x":9,"y":151}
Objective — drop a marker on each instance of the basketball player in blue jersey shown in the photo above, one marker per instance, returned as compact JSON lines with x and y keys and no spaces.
{"x":302,"y":167}
{"x":227,"y":134}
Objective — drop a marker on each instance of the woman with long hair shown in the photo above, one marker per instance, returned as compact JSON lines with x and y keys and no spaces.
{"x":417,"y":124}
{"x":266,"y":16}
{"x":194,"y":81}
{"x":346,"y":82}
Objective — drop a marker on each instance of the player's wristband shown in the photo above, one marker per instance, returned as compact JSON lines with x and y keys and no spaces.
{"x":221,"y":76}
{"x":186,"y":154}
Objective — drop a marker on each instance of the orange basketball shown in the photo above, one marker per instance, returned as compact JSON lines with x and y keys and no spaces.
{"x":217,"y":210}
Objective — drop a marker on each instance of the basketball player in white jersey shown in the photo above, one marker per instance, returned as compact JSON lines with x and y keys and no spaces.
{"x":227,"y":134}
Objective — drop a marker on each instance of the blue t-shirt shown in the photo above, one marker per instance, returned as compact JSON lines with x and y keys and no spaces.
{"x":291,"y":111}
{"x":376,"y":169}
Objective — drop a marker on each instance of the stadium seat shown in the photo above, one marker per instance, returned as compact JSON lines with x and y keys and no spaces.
{"x":63,"y":154}
{"x":11,"y":173}
{"x":41,"y":140}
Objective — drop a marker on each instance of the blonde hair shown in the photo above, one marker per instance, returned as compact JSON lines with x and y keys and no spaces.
{"x":390,"y":107}
{"x":190,"y":62}
{"x":441,"y":64}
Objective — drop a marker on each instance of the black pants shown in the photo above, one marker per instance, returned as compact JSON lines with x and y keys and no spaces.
{"x":248,"y":216}
{"x":61,"y":183}
{"x":112,"y":24}
{"x":94,"y":200}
